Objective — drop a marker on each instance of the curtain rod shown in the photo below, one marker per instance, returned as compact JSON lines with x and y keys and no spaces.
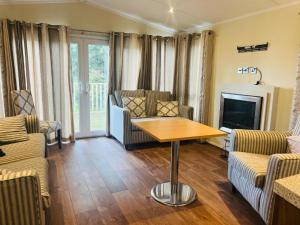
{"x":87,"y":31}
{"x":35,"y":24}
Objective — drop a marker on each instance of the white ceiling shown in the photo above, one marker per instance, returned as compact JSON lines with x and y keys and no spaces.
{"x":188,"y":14}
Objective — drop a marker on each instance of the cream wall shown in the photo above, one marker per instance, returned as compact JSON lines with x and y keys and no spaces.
{"x":78,"y":16}
{"x":281,"y":28}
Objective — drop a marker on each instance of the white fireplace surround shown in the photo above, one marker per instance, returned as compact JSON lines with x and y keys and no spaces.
{"x":269,"y":103}
{"x":268,"y":108}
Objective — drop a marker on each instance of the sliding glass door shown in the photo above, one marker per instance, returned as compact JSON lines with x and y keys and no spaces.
{"x":89,"y":61}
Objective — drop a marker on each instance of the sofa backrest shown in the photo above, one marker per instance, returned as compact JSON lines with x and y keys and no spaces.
{"x":151,"y":98}
{"x":128,"y":93}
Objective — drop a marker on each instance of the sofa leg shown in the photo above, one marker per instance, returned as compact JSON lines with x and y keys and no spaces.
{"x":233,"y":189}
{"x":59,"y":138}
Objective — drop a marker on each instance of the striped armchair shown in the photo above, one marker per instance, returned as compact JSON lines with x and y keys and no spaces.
{"x":23,"y":104}
{"x":24,"y":190}
{"x":256,"y":160}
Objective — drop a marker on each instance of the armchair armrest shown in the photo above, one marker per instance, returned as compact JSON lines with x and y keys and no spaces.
{"x":120,"y":123}
{"x":32,"y":124}
{"x":186,"y":111}
{"x":259,"y":142}
{"x":21,"y":191}
{"x":280,"y":166}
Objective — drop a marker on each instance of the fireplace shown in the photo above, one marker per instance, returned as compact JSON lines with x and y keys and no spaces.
{"x":239,"y":112}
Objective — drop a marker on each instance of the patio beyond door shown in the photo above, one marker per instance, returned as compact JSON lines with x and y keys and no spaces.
{"x":89,"y":61}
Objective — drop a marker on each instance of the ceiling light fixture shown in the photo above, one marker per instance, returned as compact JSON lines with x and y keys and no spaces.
{"x":171,"y":10}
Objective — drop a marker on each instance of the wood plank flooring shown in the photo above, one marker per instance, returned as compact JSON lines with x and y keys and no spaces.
{"x":96,"y":181}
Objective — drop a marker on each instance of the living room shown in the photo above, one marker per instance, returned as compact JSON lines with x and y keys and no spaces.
{"x":149,"y":112}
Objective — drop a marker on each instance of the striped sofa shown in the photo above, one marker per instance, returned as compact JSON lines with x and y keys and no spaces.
{"x":24,"y":194}
{"x":256,"y":160}
{"x":121,"y":123}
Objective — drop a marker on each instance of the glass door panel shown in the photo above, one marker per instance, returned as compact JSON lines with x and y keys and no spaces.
{"x":98,"y":77}
{"x":74,"y":50}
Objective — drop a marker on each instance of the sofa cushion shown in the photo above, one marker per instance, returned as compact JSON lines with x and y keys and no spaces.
{"x":40,"y":165}
{"x":34,"y":147}
{"x":136,"y":106}
{"x":294,"y":144}
{"x":252,"y":167}
{"x":12,"y":129}
{"x":151,"y":100}
{"x":127,"y":93}
{"x":167,"y":108}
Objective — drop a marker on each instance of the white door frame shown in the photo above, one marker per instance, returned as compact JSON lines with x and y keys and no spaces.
{"x":84,"y":112}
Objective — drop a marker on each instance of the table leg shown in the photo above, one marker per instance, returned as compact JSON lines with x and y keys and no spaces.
{"x":174,"y":170}
{"x":174,"y":193}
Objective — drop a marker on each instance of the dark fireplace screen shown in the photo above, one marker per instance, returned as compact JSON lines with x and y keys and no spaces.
{"x":240,"y":112}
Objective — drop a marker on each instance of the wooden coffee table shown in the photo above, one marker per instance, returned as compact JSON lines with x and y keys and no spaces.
{"x":174,"y":193}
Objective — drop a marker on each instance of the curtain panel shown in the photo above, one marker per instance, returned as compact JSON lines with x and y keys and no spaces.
{"x":180,"y":64}
{"x":144,"y":80}
{"x":200,"y":75}
{"x":163,"y":63}
{"x":296,"y":99}
{"x":182,"y":67}
{"x":14,"y":61}
{"x":36,"y":57}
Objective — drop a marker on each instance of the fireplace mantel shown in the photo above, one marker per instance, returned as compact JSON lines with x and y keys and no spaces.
{"x":269,"y":104}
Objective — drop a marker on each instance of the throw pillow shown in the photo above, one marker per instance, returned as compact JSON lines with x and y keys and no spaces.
{"x":294,"y":144}
{"x":12,"y":129}
{"x":167,"y":108}
{"x":135,"y":105}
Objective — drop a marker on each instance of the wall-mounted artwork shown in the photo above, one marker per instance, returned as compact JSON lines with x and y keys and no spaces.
{"x":253,"y":48}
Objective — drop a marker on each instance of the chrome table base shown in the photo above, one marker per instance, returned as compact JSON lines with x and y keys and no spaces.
{"x":174,"y":193}
{"x":183,"y":196}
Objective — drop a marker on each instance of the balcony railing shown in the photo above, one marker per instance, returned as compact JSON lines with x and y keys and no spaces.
{"x":98,"y":96}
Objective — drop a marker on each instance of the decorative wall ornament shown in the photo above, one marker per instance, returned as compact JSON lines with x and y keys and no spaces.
{"x":253,"y":48}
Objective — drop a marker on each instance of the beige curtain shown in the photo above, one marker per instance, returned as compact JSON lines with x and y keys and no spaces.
{"x":131,"y":62}
{"x":296,"y":99}
{"x":163,"y":63}
{"x":44,"y":53}
{"x":14,"y":60}
{"x":182,"y":67}
{"x":200,"y":75}
{"x":192,"y":72}
{"x":124,"y":64}
{"x":144,"y":80}
{"x":50,"y":75}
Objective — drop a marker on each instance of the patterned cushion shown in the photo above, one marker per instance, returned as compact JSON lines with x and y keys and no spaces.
{"x":23,"y":102}
{"x":294,"y":144}
{"x":48,"y":127}
{"x":12,"y":129}
{"x":40,"y":165}
{"x":135,"y":105}
{"x":151,"y":101}
{"x":128,"y":93}
{"x":167,"y":108}
{"x":34,"y":147}
{"x":252,"y":167}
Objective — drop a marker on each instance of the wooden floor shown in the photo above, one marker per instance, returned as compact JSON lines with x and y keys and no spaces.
{"x":95,"y":181}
